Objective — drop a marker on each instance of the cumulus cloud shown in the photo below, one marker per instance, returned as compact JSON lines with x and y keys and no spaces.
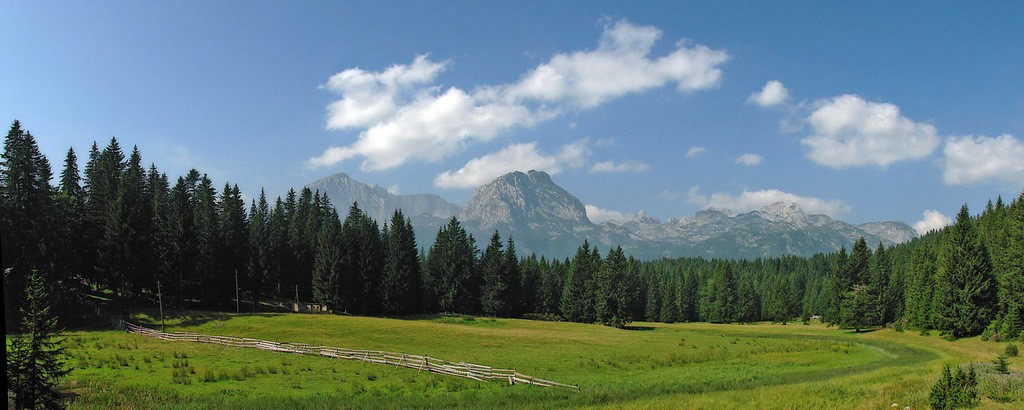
{"x":849,"y":131}
{"x":971,"y":160}
{"x":695,"y":151}
{"x":610,"y":166}
{"x":773,"y":93}
{"x":931,"y":221}
{"x":515,"y":157}
{"x":394,"y":189}
{"x":753,"y":200}
{"x":750,"y":160}
{"x":403,"y":115}
{"x":599,"y":216}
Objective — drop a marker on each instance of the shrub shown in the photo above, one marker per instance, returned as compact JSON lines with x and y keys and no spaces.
{"x":1011,"y":350}
{"x":954,"y":391}
{"x":1002,"y":366}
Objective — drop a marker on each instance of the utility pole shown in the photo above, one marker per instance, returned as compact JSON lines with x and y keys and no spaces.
{"x":297,"y":309}
{"x":236,"y":293}
{"x":160,"y":297}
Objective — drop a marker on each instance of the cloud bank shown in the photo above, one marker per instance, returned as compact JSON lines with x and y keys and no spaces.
{"x":849,"y":131}
{"x":753,"y":200}
{"x":600,"y":216}
{"x":402,"y":115}
{"x":515,"y":157}
{"x":970,"y":160}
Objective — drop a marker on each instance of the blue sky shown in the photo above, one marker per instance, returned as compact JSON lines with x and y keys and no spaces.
{"x":865,"y":111}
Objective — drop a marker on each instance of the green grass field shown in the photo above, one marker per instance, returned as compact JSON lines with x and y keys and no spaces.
{"x":656,"y":365}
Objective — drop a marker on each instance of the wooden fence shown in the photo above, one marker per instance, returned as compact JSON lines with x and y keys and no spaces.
{"x":459,"y":369}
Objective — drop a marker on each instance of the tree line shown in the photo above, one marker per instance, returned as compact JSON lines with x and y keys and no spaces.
{"x":123,"y":233}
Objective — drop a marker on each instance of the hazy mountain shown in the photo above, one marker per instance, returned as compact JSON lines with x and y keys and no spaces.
{"x":543,"y":217}
{"x":380,"y":204}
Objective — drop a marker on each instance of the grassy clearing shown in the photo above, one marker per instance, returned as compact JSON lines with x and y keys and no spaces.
{"x":678,"y":365}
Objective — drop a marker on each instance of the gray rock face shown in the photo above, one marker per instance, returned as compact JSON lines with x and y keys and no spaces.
{"x":895,"y":231}
{"x":518,"y":199}
{"x":380,"y":204}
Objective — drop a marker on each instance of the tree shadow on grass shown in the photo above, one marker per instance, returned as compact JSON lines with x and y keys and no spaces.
{"x":638,"y":328}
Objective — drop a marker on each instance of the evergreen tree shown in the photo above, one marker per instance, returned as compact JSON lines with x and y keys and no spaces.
{"x":364,"y":259}
{"x":860,"y":308}
{"x":233,"y":243}
{"x":452,"y":265}
{"x":261,"y":250}
{"x":613,"y":297}
{"x":513,"y":276}
{"x":35,"y":361}
{"x":724,"y":308}
{"x":26,"y":220}
{"x":920,"y":287}
{"x":492,"y":267}
{"x":328,"y":262}
{"x":965,"y":288}
{"x":881,"y":273}
{"x":577,"y":302}
{"x":402,"y":287}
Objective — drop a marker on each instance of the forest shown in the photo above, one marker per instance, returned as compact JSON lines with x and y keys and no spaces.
{"x":118,"y":237}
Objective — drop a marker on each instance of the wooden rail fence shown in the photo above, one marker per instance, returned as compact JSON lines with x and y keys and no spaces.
{"x":434,"y":365}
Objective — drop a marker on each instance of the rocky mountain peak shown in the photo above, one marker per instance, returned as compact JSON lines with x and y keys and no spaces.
{"x":523,"y":199}
{"x":783,"y":212}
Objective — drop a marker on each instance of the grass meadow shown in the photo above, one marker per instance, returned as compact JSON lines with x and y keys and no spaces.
{"x":652,"y":365}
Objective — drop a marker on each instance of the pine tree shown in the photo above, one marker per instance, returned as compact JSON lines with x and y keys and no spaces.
{"x":612,"y":296}
{"x":26,"y":220}
{"x":724,"y":307}
{"x":965,"y":289}
{"x":328,"y":262}
{"x":452,"y":265}
{"x":492,"y":266}
{"x":920,"y":287}
{"x":260,"y":247}
{"x":401,"y":287}
{"x":35,"y":361}
{"x":860,"y":308}
{"x":577,"y":302}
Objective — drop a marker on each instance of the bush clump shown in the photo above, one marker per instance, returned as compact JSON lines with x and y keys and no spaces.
{"x":955,"y":391}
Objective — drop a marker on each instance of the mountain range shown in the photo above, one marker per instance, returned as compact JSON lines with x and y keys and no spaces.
{"x":543,"y":217}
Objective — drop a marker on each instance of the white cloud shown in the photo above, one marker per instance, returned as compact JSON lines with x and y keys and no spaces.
{"x":695,"y":151}
{"x":404,"y":116}
{"x":932,"y":220}
{"x":610,"y":166}
{"x":753,"y":200}
{"x":976,"y":159}
{"x":620,"y":65}
{"x":849,"y":131}
{"x":394,"y":189}
{"x":773,"y":93}
{"x":599,"y":216}
{"x":515,"y":157}
{"x":750,"y":160}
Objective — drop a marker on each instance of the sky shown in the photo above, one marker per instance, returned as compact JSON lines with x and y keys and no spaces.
{"x":864,"y":111}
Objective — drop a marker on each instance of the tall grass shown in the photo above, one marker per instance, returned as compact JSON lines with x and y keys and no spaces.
{"x":679,"y":365}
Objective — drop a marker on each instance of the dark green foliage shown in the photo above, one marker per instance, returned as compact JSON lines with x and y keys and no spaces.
{"x":613,"y":294}
{"x":1011,"y":350}
{"x":955,"y":390}
{"x":452,"y":269}
{"x":402,"y":287}
{"x":364,"y":262}
{"x":965,"y":289}
{"x":35,"y":362}
{"x":1002,"y":366}
{"x":577,"y":303}
{"x":328,"y":262}
{"x":859,"y":309}
{"x":492,"y":267}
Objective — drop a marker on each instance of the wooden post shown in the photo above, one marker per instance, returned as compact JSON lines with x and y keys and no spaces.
{"x":237,"y":300}
{"x":160,"y":297}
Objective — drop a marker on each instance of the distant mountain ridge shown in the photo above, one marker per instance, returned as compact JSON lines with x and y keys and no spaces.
{"x":377,"y":202}
{"x":543,"y":217}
